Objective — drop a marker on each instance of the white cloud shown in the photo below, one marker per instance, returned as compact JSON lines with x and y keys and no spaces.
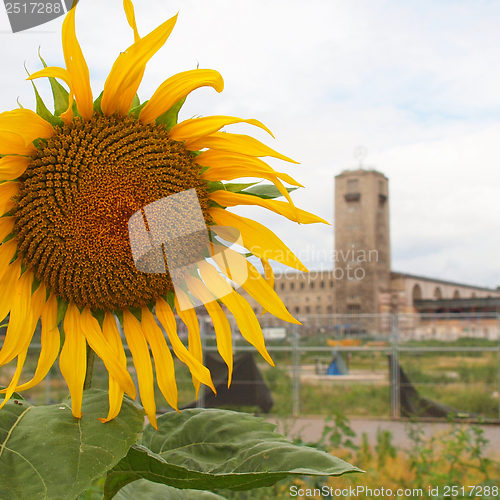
{"x":416,"y":82}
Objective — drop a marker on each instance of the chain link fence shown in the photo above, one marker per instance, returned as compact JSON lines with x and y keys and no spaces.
{"x":380,"y":365}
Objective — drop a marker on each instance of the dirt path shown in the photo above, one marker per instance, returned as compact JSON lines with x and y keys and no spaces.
{"x":310,"y":428}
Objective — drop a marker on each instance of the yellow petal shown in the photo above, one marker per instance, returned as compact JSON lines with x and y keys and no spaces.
{"x":255,"y":285}
{"x":221,"y":324}
{"x":7,"y":284}
{"x":268,"y":272}
{"x":260,"y":240}
{"x":50,"y":341}
{"x":77,"y":67}
{"x":189,"y":318}
{"x":37,"y":303}
{"x":15,"y":379}
{"x":167,"y":319}
{"x":115,"y":392}
{"x":164,"y":363}
{"x":228,"y":199}
{"x":128,"y":70}
{"x":130,"y":13}
{"x":55,"y":72}
{"x":176,"y":88}
{"x":8,"y":190}
{"x":7,"y":252}
{"x":20,"y":320}
{"x":246,"y":320}
{"x":236,"y":143}
{"x":195,"y":128}
{"x":142,"y":362}
{"x":27,"y":124}
{"x":94,"y":336}
{"x":226,"y":163}
{"x":13,"y":144}
{"x":64,"y":75}
{"x":12,"y":167}
{"x":73,"y":358}
{"x":6,"y":226}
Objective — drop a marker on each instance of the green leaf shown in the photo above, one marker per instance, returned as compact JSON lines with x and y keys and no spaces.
{"x":143,"y":489}
{"x":218,"y":449}
{"x":46,"y":453}
{"x":266,"y":191}
{"x":61,"y":95}
{"x":170,"y":117}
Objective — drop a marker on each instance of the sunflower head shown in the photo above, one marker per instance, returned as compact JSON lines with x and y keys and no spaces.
{"x":74,"y":178}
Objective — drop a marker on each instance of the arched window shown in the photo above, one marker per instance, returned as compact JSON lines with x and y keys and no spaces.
{"x":437,"y":293}
{"x":416,"y":294}
{"x":456,"y":294}
{"x":473,"y":295}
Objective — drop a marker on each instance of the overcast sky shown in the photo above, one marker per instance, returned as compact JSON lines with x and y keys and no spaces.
{"x":417,"y":83}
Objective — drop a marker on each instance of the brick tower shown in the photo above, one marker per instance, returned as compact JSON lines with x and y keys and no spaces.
{"x":362,"y":263}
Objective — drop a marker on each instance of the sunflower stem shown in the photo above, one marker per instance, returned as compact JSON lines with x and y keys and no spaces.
{"x":90,"y":368}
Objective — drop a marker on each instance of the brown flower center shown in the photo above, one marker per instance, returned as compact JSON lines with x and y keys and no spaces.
{"x":77,"y":196}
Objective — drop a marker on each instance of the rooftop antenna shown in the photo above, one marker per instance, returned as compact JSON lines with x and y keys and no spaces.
{"x":359,"y":154}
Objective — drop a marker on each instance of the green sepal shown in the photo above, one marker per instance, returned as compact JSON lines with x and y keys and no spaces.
{"x":238,"y":187}
{"x":136,"y":311}
{"x":60,"y":94}
{"x":214,"y":204}
{"x":62,"y":307}
{"x":35,"y":285}
{"x":135,"y":111}
{"x":97,"y":104}
{"x":170,"y":298}
{"x":119,"y":315}
{"x":214,"y":186}
{"x":99,"y":316}
{"x":135,"y":102}
{"x":39,"y":143}
{"x":43,"y":111}
{"x":9,"y":237}
{"x":170,"y":117}
{"x":266,"y":191}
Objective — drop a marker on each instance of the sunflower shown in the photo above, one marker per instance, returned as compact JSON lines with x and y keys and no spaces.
{"x":72,"y":178}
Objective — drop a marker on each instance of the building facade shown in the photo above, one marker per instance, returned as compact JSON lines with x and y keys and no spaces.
{"x":361,"y":281}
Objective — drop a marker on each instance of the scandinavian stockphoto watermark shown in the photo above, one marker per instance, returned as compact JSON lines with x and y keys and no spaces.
{"x":25,"y":15}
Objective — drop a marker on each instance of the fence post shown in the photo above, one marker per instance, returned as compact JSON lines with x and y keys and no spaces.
{"x":394,"y":372}
{"x":296,"y":372}
{"x":498,"y":389}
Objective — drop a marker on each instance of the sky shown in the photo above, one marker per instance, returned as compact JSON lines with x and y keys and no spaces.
{"x":415,"y":83}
